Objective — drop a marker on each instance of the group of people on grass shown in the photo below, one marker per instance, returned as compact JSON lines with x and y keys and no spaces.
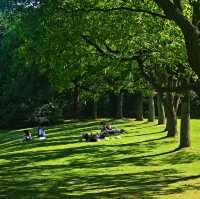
{"x":106,"y":131}
{"x":40,"y":134}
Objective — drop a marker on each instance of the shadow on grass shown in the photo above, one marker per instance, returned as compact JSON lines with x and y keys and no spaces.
{"x":63,"y":184}
{"x":88,"y":170}
{"x":182,"y":157}
{"x":149,"y":133}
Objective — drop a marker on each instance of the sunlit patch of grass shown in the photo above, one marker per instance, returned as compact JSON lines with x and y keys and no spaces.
{"x":143,"y":163}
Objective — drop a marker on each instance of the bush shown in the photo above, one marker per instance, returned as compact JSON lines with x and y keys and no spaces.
{"x":47,"y":114}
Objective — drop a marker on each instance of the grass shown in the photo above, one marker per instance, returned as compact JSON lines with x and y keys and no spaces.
{"x":142,"y":164}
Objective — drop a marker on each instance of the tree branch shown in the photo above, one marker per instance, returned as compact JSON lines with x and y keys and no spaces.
{"x":111,"y":50}
{"x":139,"y":10}
{"x":195,"y":86}
{"x":140,"y":57}
{"x":146,"y":76}
{"x":110,"y":53}
{"x":89,"y":40}
{"x":174,"y":13}
{"x":179,"y":4}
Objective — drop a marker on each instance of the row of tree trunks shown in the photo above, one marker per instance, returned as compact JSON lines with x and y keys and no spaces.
{"x":151,"y":106}
{"x":171,"y":110}
{"x":190,"y":30}
{"x":119,"y":106}
{"x":76,"y":109}
{"x":172,"y":103}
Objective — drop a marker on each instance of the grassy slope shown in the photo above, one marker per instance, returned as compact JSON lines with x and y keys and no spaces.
{"x":142,"y":164}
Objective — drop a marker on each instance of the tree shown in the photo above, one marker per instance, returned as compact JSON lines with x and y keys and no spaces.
{"x":120,"y":45}
{"x":189,"y":27}
{"x":176,"y":10}
{"x":19,"y":98}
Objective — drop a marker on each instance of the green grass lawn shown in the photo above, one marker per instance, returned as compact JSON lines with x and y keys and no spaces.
{"x":142,"y":164}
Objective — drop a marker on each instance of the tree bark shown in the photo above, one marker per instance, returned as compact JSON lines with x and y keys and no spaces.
{"x":167,"y":115}
{"x":177,"y":101}
{"x":139,"y":107}
{"x":120,"y":105}
{"x":191,"y":34}
{"x":161,"y":109}
{"x":190,"y":30}
{"x":171,"y":116}
{"x":151,"y":113}
{"x":185,"y":121}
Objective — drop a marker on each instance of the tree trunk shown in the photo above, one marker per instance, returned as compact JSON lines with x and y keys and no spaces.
{"x":120,"y":105}
{"x":161,"y":109}
{"x":76,"y":111}
{"x":185,"y":121}
{"x":189,"y":29}
{"x":193,"y":48}
{"x":139,"y":107}
{"x":171,"y":116}
{"x":167,"y":115}
{"x":95,"y":109}
{"x":177,"y":101}
{"x":151,"y":113}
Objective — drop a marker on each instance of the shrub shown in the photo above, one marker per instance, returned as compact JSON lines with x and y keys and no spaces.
{"x":47,"y":114}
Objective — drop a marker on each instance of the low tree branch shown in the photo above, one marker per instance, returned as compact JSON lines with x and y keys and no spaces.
{"x":179,"y":4}
{"x":172,"y":11}
{"x":110,"y":53}
{"x":140,"y":56}
{"x":110,"y":49}
{"x":152,"y":81}
{"x":90,"y":41}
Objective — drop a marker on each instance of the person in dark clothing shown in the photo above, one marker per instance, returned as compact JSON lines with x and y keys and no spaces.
{"x":107,"y":128}
{"x":27,"y":136}
{"x":90,"y":137}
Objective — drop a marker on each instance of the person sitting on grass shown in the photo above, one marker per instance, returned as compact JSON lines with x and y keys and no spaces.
{"x":85,"y":137}
{"x":94,"y":138}
{"x":41,"y":133}
{"x":103,"y":127}
{"x":27,"y":136}
{"x":90,"y":137}
{"x":107,"y":128}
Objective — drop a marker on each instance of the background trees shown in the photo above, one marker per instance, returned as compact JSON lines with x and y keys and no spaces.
{"x":82,"y":53}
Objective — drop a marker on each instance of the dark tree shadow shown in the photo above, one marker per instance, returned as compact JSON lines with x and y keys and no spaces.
{"x":87,"y":172}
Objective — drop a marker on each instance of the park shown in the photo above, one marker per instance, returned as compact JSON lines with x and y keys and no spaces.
{"x":99,"y":99}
